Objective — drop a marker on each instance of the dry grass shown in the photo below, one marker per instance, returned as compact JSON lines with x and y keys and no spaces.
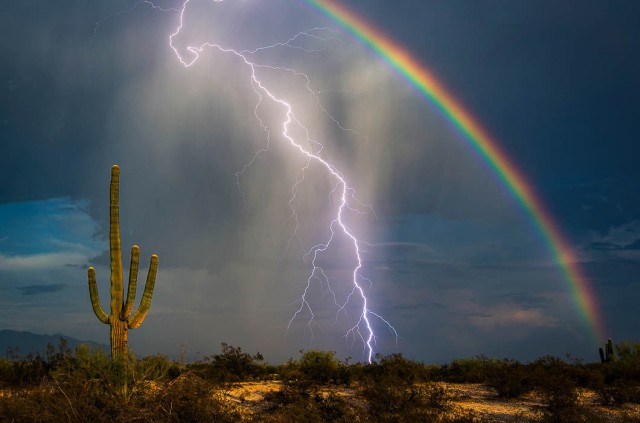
{"x":232,"y":386}
{"x":478,"y":399}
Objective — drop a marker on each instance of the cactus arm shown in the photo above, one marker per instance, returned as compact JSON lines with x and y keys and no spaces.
{"x":95,"y":299}
{"x":117,"y":290}
{"x":610,"y":354}
{"x":133,"y":282}
{"x":141,"y":313}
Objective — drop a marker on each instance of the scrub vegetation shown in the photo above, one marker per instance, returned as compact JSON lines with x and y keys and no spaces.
{"x":83,"y":385}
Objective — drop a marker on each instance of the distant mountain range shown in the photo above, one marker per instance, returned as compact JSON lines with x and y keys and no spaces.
{"x":21,"y":344}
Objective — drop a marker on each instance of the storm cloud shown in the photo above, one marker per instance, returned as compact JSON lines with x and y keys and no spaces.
{"x":451,"y":255}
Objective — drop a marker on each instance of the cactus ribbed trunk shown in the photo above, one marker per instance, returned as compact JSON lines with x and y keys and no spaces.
{"x":119,"y":333}
{"x":118,"y":327}
{"x":117,"y":289}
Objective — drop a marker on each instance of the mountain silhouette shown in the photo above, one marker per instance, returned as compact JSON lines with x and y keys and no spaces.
{"x":15,"y":344}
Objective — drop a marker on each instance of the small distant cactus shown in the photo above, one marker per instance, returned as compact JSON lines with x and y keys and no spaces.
{"x":120,"y":320}
{"x":607,"y":355}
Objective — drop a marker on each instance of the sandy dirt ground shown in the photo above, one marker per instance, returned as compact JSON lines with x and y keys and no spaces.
{"x":477,"y":398}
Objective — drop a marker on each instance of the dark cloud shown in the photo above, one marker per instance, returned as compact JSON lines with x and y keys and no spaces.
{"x":452,"y":256}
{"x":635,"y":245}
{"x":608,"y":246}
{"x":41,"y":289}
{"x":526,"y":300}
{"x":596,"y":205}
{"x":604,"y":246}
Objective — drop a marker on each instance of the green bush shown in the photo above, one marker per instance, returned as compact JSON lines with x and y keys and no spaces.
{"x":186,"y":399}
{"x":393,"y":369}
{"x":157,"y":367}
{"x":321,"y":367}
{"x":618,"y":382}
{"x":295,"y":403}
{"x":314,"y":369}
{"x":410,"y":403}
{"x":70,"y":400}
{"x":474,"y":370}
{"x":618,"y":393}
{"x":560,"y":400}
{"x":61,"y":385}
{"x":232,"y":365}
{"x":28,"y":372}
{"x":85,"y":363}
{"x":510,"y":379}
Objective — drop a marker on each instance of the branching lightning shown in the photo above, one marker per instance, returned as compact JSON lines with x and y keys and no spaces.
{"x":310,"y":150}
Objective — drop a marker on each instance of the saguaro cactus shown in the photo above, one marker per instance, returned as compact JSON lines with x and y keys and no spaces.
{"x":607,"y":355}
{"x":120,"y":320}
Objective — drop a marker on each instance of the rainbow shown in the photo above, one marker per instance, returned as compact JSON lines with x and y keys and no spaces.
{"x":513,"y":179}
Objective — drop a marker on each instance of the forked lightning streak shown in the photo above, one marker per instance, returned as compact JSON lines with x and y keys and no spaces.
{"x":363,"y":328}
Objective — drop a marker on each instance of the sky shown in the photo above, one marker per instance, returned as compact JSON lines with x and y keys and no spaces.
{"x":449,"y":257}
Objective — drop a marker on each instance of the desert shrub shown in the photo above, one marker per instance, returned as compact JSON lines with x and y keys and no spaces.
{"x":6,"y":372}
{"x":559,"y":394}
{"x":314,"y":369}
{"x":618,"y":382}
{"x":617,"y":393}
{"x":475,"y":370}
{"x":621,"y":378}
{"x":587,"y":375}
{"x":295,"y":403}
{"x":560,"y":401}
{"x":190,"y":398}
{"x":406,"y":403}
{"x":35,"y":367}
{"x":322,"y":367}
{"x":333,"y":408}
{"x":56,"y":401}
{"x":85,"y":364}
{"x":437,"y":397}
{"x":56,"y":357}
{"x":7,"y":376}
{"x":289,"y":371}
{"x":629,"y":417}
{"x":628,"y":351}
{"x":232,"y":365}
{"x":552,"y":367}
{"x":289,"y":394}
{"x":393,"y":369}
{"x":626,"y":367}
{"x":318,"y":366}
{"x":394,"y":390}
{"x":510,"y":379}
{"x":27,"y":372}
{"x":157,"y":367}
{"x":187,"y":398}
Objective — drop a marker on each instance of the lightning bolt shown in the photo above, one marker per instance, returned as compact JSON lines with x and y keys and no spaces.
{"x":310,"y":150}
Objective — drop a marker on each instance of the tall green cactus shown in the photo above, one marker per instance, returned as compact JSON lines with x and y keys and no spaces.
{"x":120,"y":320}
{"x":607,"y":355}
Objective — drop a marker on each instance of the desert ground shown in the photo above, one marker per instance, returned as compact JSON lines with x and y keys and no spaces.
{"x":479,"y":399}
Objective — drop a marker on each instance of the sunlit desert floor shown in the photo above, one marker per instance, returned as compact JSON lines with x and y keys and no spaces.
{"x":477,"y":398}
{"x":482,"y":401}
